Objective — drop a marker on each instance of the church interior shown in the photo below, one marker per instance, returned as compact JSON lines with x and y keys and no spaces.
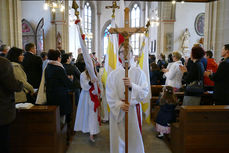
{"x":175,"y":26}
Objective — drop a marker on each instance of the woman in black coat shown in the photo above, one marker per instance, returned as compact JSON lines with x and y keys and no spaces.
{"x":58,"y":83}
{"x":195,"y":73}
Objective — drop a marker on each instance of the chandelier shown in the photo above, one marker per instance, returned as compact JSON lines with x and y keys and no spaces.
{"x":54,"y":5}
{"x":155,"y":20}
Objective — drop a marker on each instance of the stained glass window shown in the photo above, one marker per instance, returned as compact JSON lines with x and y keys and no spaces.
{"x":87,"y":26}
{"x":105,"y":40}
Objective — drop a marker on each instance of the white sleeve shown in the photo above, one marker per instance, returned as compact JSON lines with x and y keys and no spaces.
{"x":84,"y":82}
{"x":139,"y":90}
{"x":172,"y":72}
{"x":112,"y":99}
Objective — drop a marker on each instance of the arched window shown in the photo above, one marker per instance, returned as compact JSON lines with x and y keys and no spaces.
{"x":87,"y":26}
{"x":135,"y":22}
{"x":105,"y":40}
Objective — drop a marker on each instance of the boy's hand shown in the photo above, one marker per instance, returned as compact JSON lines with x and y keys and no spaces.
{"x":127,"y":82}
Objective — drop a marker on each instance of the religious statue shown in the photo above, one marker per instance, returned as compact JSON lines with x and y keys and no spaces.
{"x":185,"y":42}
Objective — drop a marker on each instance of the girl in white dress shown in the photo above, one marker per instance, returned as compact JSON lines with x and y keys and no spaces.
{"x":87,"y":113}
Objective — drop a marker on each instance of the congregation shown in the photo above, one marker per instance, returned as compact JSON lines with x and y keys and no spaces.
{"x":21,"y":75}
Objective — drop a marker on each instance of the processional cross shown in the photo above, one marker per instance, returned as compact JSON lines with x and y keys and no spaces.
{"x":126,"y":32}
{"x":114,"y":6}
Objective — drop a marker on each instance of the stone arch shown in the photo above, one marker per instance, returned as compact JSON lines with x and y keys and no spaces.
{"x":102,"y":34}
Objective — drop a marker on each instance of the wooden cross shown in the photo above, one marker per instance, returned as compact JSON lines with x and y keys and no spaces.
{"x":114,"y":6}
{"x":126,"y":32}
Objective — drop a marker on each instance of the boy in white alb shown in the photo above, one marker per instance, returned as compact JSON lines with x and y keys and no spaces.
{"x":138,"y":90}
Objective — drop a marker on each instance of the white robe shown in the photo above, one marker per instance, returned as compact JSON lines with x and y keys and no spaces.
{"x":115,"y":94}
{"x":86,"y":119}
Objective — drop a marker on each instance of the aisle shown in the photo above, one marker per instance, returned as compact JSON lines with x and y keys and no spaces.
{"x":81,"y":144}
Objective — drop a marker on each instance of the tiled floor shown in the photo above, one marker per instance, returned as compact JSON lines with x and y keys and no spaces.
{"x":81,"y":144}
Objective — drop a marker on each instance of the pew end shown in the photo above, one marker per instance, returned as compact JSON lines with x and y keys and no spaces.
{"x":38,"y":130}
{"x":201,"y":129}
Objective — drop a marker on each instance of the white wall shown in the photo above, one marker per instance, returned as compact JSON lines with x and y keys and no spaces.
{"x":185,"y":18}
{"x":33,"y":11}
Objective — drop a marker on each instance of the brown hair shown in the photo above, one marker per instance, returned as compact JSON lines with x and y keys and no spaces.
{"x":154,"y":67}
{"x":87,"y":74}
{"x":168,"y":96}
{"x":197,"y":52}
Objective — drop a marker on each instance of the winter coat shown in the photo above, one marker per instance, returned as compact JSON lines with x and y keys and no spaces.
{"x":21,"y":76}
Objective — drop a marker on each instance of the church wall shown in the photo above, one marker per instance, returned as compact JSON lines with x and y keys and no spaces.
{"x":185,"y":18}
{"x":29,"y":13}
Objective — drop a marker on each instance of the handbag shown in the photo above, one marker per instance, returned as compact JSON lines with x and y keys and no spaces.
{"x":196,"y":87}
{"x":41,"y":96}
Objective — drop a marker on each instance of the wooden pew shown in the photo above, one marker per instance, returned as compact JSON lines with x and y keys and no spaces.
{"x":202,"y":129}
{"x":155,"y":92}
{"x":206,"y":98}
{"x":73,"y":116}
{"x":37,"y":130}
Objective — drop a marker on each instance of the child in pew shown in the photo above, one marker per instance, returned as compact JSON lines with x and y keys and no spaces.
{"x":166,"y":114}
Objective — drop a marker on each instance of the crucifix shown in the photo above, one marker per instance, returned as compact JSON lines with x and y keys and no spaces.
{"x":126,"y":32}
{"x":114,"y":6}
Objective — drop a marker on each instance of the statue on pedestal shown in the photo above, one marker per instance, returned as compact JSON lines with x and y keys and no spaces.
{"x":185,"y":42}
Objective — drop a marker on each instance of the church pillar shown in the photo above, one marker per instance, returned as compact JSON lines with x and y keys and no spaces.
{"x":10,"y":22}
{"x":153,"y":33}
{"x":98,"y":34}
{"x":216,"y":26}
{"x":60,"y":23}
{"x":166,"y":28}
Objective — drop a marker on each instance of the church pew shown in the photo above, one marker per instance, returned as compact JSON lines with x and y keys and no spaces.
{"x":38,"y":130}
{"x":206,"y":99}
{"x":155,"y":93}
{"x":201,"y":129}
{"x":73,"y":116}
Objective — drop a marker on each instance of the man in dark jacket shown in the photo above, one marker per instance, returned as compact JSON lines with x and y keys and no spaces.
{"x":4,"y":50}
{"x":8,"y":85}
{"x":32,"y":65}
{"x":221,"y":90}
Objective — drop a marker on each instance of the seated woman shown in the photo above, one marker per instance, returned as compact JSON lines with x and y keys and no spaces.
{"x":15,"y":55}
{"x":58,"y":84}
{"x":174,"y":74}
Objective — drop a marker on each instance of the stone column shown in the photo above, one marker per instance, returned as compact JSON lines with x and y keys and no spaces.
{"x":65,"y":42}
{"x":10,"y":22}
{"x":166,"y":28}
{"x":216,"y":26}
{"x":97,"y":34}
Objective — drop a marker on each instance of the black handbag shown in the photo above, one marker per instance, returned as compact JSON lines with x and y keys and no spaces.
{"x":196,"y":87}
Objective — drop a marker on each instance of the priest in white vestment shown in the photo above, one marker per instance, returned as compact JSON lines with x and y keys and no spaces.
{"x":86,"y":117}
{"x":138,"y":90}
